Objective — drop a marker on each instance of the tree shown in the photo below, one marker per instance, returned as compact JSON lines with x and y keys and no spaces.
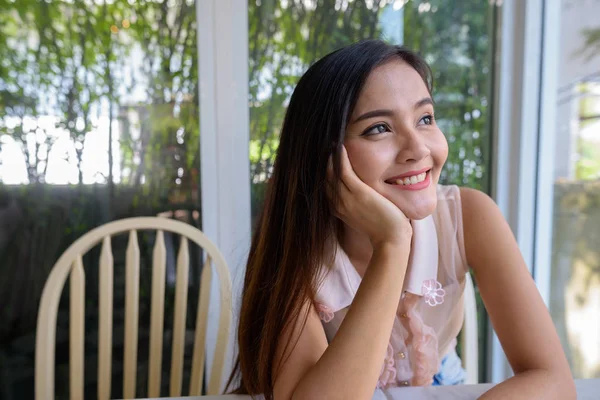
{"x":168,"y":147}
{"x":70,"y":59}
{"x":591,"y":46}
{"x":56,"y":61}
{"x":21,"y":78}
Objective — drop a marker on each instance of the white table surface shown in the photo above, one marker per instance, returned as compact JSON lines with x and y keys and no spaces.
{"x":587,"y":389}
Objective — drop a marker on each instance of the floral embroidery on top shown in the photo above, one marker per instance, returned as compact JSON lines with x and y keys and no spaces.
{"x":325,"y":312}
{"x":432,"y":292}
{"x":422,"y":343}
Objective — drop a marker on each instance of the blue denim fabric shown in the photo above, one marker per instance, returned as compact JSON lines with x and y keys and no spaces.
{"x":451,"y":372}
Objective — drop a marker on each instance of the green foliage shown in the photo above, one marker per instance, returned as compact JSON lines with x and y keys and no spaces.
{"x":76,"y":54}
{"x":587,"y":164}
{"x":74,"y":60}
{"x":591,"y":45}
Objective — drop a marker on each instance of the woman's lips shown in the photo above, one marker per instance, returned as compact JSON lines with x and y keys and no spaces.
{"x":414,"y":182}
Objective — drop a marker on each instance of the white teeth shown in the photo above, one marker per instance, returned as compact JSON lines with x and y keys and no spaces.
{"x":411,"y":180}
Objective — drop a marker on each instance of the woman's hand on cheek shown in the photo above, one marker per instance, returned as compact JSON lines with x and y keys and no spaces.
{"x":364,"y":209}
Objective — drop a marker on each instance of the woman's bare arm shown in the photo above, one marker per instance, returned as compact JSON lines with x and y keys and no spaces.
{"x":515,"y":306}
{"x":349,"y":367}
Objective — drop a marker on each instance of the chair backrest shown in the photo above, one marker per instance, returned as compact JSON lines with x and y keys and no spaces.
{"x":470,"y":342}
{"x":70,"y":264}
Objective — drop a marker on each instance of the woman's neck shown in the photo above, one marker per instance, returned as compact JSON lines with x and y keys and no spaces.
{"x":358,"y":248}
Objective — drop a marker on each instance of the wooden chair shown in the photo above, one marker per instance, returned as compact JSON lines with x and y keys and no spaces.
{"x":469,"y":341}
{"x":70,"y":264}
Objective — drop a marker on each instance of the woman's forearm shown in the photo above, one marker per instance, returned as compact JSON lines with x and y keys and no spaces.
{"x":534,"y":384}
{"x":351,"y":365}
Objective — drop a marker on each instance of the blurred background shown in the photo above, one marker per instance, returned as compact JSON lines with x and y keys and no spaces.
{"x":100,"y":116}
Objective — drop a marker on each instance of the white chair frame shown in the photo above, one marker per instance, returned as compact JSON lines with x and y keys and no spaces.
{"x":70,"y":264}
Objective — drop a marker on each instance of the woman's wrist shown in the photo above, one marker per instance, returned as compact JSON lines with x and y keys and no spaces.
{"x":391,"y":245}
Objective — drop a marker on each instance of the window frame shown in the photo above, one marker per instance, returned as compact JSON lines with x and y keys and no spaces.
{"x":224,"y":148}
{"x":524,"y":131}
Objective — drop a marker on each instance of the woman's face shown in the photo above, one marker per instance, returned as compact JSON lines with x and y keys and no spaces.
{"x":393,"y":141}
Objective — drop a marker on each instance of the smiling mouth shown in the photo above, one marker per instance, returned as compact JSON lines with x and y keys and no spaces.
{"x":409,"y":180}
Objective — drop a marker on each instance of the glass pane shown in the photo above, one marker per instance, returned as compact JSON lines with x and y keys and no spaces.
{"x":98,"y":121}
{"x":285,"y":37}
{"x":575,"y":276}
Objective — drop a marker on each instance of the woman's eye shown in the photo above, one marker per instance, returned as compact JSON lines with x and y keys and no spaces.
{"x":427,"y":120}
{"x":376,"y":129}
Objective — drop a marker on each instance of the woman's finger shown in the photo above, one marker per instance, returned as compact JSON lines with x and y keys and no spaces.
{"x":333,"y":182}
{"x":349,"y":177}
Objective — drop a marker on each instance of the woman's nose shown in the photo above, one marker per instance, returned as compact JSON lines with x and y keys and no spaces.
{"x":412,"y":147}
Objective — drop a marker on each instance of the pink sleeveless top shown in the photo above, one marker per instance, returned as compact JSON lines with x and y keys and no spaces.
{"x":426,"y":325}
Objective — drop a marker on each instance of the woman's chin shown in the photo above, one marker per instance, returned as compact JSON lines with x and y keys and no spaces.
{"x":418,"y":215}
{"x":418,"y":211}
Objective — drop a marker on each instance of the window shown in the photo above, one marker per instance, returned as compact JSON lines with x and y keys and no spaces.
{"x":575,"y":272}
{"x":98,"y":121}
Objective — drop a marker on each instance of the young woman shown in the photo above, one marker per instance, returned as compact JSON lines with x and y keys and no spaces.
{"x":357,"y":267}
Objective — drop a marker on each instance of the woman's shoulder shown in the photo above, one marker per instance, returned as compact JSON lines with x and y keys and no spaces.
{"x":479,"y":210}
{"x":475,"y":212}
{"x":474,"y":201}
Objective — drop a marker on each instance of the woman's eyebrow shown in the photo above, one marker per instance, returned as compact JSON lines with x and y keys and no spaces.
{"x":374,"y":113}
{"x":389,"y":113}
{"x":424,"y":101}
